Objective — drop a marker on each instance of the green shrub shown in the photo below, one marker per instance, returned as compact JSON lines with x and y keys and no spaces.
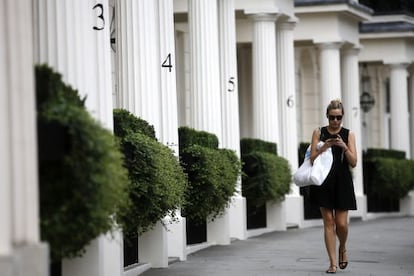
{"x":249,"y":145}
{"x":390,"y":177}
{"x":82,"y":183}
{"x":387,"y":153}
{"x":266,"y":177}
{"x":156,"y":179}
{"x":212,"y":178}
{"x":189,"y":136}
{"x":126,"y":123}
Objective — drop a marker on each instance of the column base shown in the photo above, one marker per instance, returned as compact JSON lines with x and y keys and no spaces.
{"x":30,"y":259}
{"x":294,"y":210}
{"x":102,"y":257}
{"x":276,"y":216}
{"x":153,"y":247}
{"x":407,"y":204}
{"x":361,"y":212}
{"x":218,"y":231}
{"x":177,"y":238}
{"x":238,"y":218}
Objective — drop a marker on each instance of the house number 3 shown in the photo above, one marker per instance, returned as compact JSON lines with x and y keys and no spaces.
{"x":100,"y":9}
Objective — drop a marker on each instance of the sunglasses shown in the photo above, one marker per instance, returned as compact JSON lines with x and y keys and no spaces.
{"x":333,"y":117}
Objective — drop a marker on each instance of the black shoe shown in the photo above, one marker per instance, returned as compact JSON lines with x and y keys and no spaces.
{"x":331,"y":269}
{"x":342,"y":263}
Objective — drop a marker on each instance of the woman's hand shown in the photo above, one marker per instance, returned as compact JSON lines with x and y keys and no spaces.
{"x":338,"y":142}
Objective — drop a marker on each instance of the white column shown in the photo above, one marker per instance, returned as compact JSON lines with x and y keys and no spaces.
{"x":5,"y":141}
{"x":265,"y":99}
{"x":73,"y":38}
{"x":19,"y":203}
{"x":407,"y":203}
{"x":204,"y":67}
{"x":169,"y":134}
{"x":265,"y":94}
{"x":20,"y":117}
{"x":139,"y":60}
{"x":288,"y":146}
{"x":230,"y":107}
{"x":352,"y":119}
{"x":205,"y":88}
{"x":330,"y":74}
{"x":400,"y":136}
{"x":411,"y":104}
{"x":18,"y":158}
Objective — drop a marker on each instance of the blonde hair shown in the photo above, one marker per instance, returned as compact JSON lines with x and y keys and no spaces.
{"x":335,"y":104}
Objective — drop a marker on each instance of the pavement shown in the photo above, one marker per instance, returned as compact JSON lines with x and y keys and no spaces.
{"x":380,"y":247}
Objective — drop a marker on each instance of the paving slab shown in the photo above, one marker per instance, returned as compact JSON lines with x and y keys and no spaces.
{"x":380,"y":247}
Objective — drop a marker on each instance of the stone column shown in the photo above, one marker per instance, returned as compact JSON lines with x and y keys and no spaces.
{"x":205,"y":88}
{"x":288,"y":146}
{"x":72,"y":37}
{"x":230,"y":107}
{"x":265,"y":99}
{"x":411,"y":107}
{"x":19,"y":203}
{"x":139,"y":60}
{"x":400,"y":136}
{"x":145,"y":58}
{"x":330,"y":75}
{"x":169,"y":135}
{"x":352,"y":120}
{"x":265,"y":94}
{"x":407,"y":203}
{"x":204,"y":67}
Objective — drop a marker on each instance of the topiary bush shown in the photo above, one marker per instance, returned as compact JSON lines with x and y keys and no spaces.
{"x":82,"y":183}
{"x":212,"y":174}
{"x":248,"y":145}
{"x":188,"y":136}
{"x":392,"y":178}
{"x":125,"y":123}
{"x":266,"y":177}
{"x":156,"y":179}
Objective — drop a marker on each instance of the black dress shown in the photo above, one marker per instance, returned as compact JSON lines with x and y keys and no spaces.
{"x":337,"y":191}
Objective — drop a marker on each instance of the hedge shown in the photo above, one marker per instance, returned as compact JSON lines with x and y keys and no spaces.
{"x":156,"y":179}
{"x":212,"y":174}
{"x":82,"y":183}
{"x":266,"y":177}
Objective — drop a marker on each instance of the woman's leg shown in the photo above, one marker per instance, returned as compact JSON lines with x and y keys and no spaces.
{"x":329,"y":231}
{"x":341,"y":221}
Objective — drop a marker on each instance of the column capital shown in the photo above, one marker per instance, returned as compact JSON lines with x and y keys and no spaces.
{"x":398,"y":65}
{"x":329,"y":45}
{"x":351,"y":51}
{"x":287,"y":25}
{"x":262,"y":17}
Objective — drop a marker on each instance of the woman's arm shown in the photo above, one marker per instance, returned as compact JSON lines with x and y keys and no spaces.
{"x":350,"y":150}
{"x":315,"y":140}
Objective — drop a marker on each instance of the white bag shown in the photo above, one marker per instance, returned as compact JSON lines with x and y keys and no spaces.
{"x":302,"y":175}
{"x":314,"y":175}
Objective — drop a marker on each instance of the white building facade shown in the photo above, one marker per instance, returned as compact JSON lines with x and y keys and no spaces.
{"x":234,"y":68}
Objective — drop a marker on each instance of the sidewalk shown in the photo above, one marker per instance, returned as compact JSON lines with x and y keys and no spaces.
{"x":383,"y":247}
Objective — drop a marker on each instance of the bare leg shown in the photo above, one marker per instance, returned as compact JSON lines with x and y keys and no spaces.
{"x":341,"y":221}
{"x":330,"y":237}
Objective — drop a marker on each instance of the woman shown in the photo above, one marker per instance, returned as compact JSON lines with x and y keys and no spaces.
{"x":336,"y":194}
